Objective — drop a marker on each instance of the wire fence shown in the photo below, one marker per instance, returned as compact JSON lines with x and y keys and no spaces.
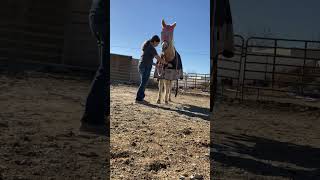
{"x":265,"y":67}
{"x":190,"y":81}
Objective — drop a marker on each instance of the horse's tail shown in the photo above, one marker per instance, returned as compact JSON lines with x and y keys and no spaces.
{"x":177,"y":88}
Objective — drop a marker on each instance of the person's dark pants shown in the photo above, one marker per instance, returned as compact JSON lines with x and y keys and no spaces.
{"x":98,"y":100}
{"x":144,"y":71}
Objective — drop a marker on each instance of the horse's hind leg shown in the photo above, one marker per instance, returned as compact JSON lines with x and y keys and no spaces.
{"x":160,"y":87}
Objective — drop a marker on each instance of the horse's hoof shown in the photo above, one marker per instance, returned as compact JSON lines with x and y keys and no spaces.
{"x":170,"y":100}
{"x":167,"y":102}
{"x":158,"y":102}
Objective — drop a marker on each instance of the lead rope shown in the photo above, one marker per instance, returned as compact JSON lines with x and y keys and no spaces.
{"x":177,"y":74}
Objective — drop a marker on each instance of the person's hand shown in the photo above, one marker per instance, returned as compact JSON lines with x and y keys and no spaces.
{"x":163,"y":61}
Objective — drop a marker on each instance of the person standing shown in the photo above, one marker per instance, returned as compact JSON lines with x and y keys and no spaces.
{"x":96,"y":117}
{"x":145,"y":64}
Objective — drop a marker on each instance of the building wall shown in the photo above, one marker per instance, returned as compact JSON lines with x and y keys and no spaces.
{"x":125,"y":69}
{"x":80,"y":47}
{"x":47,"y":32}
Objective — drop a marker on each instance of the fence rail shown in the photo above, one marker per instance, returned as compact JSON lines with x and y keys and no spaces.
{"x":264,"y":65}
{"x":293,"y":72}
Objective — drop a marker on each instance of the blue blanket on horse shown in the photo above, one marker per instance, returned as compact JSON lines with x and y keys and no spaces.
{"x":174,"y":65}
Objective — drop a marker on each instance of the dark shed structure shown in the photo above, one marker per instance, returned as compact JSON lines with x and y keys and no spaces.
{"x":48,"y":32}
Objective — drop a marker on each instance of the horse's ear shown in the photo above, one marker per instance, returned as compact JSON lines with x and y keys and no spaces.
{"x":163,"y":23}
{"x":174,"y":25}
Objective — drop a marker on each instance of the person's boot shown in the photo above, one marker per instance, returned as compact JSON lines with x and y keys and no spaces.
{"x":95,"y":129}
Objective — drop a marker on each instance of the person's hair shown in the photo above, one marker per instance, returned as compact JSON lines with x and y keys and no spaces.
{"x":154,"y":38}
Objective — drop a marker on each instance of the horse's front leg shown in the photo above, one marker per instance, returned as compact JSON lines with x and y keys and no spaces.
{"x":170,"y":88}
{"x":167,"y":88}
{"x":160,"y":87}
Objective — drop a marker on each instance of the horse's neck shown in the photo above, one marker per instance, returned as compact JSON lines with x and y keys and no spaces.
{"x":169,"y":53}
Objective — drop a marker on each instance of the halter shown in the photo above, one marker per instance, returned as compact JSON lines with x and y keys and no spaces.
{"x":166,"y":38}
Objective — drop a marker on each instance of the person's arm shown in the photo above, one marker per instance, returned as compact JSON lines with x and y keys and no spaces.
{"x":160,"y":59}
{"x":155,"y":54}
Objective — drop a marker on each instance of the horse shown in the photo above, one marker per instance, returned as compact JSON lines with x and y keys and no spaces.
{"x":172,"y":68}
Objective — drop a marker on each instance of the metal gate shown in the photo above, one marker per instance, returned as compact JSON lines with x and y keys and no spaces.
{"x":229,"y":69}
{"x":287,"y":66}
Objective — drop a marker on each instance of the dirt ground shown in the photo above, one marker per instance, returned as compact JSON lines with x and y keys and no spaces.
{"x":251,"y":140}
{"x":266,"y":140}
{"x":151,"y":141}
{"x":39,"y":138}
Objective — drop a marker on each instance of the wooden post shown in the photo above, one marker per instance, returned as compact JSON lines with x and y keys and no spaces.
{"x":213,"y":45}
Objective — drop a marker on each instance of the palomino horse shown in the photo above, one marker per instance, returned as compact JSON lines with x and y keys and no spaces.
{"x":172,"y":69}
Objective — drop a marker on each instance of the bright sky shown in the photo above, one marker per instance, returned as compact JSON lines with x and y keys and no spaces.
{"x":134,"y":21}
{"x":290,"y":19}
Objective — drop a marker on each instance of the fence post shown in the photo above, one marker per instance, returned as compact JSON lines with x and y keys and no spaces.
{"x":205,"y":81}
{"x":195,"y":82}
{"x":303,"y":68}
{"x":274,"y":61}
{"x":186,"y":81}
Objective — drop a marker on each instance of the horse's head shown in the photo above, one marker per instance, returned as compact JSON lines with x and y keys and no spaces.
{"x":167,"y":40}
{"x":167,"y":31}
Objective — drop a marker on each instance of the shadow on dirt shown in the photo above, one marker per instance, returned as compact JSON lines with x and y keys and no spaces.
{"x":187,"y":110}
{"x":301,"y":161}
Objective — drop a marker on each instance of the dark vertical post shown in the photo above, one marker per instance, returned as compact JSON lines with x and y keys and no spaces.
{"x":213,"y":49}
{"x":185,"y":82}
{"x":212,"y":52}
{"x":274,"y":61}
{"x":205,"y":81}
{"x":240,"y":65}
{"x":303,"y":68}
{"x":244,"y":68}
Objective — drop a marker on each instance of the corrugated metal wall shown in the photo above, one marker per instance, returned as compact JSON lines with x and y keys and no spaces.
{"x":55,"y":32}
{"x":124,"y":68}
{"x":47,"y":32}
{"x":43,"y":31}
{"x":11,"y":28}
{"x":80,"y":46}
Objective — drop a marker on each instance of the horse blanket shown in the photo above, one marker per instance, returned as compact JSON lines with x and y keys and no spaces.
{"x":171,"y":71}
